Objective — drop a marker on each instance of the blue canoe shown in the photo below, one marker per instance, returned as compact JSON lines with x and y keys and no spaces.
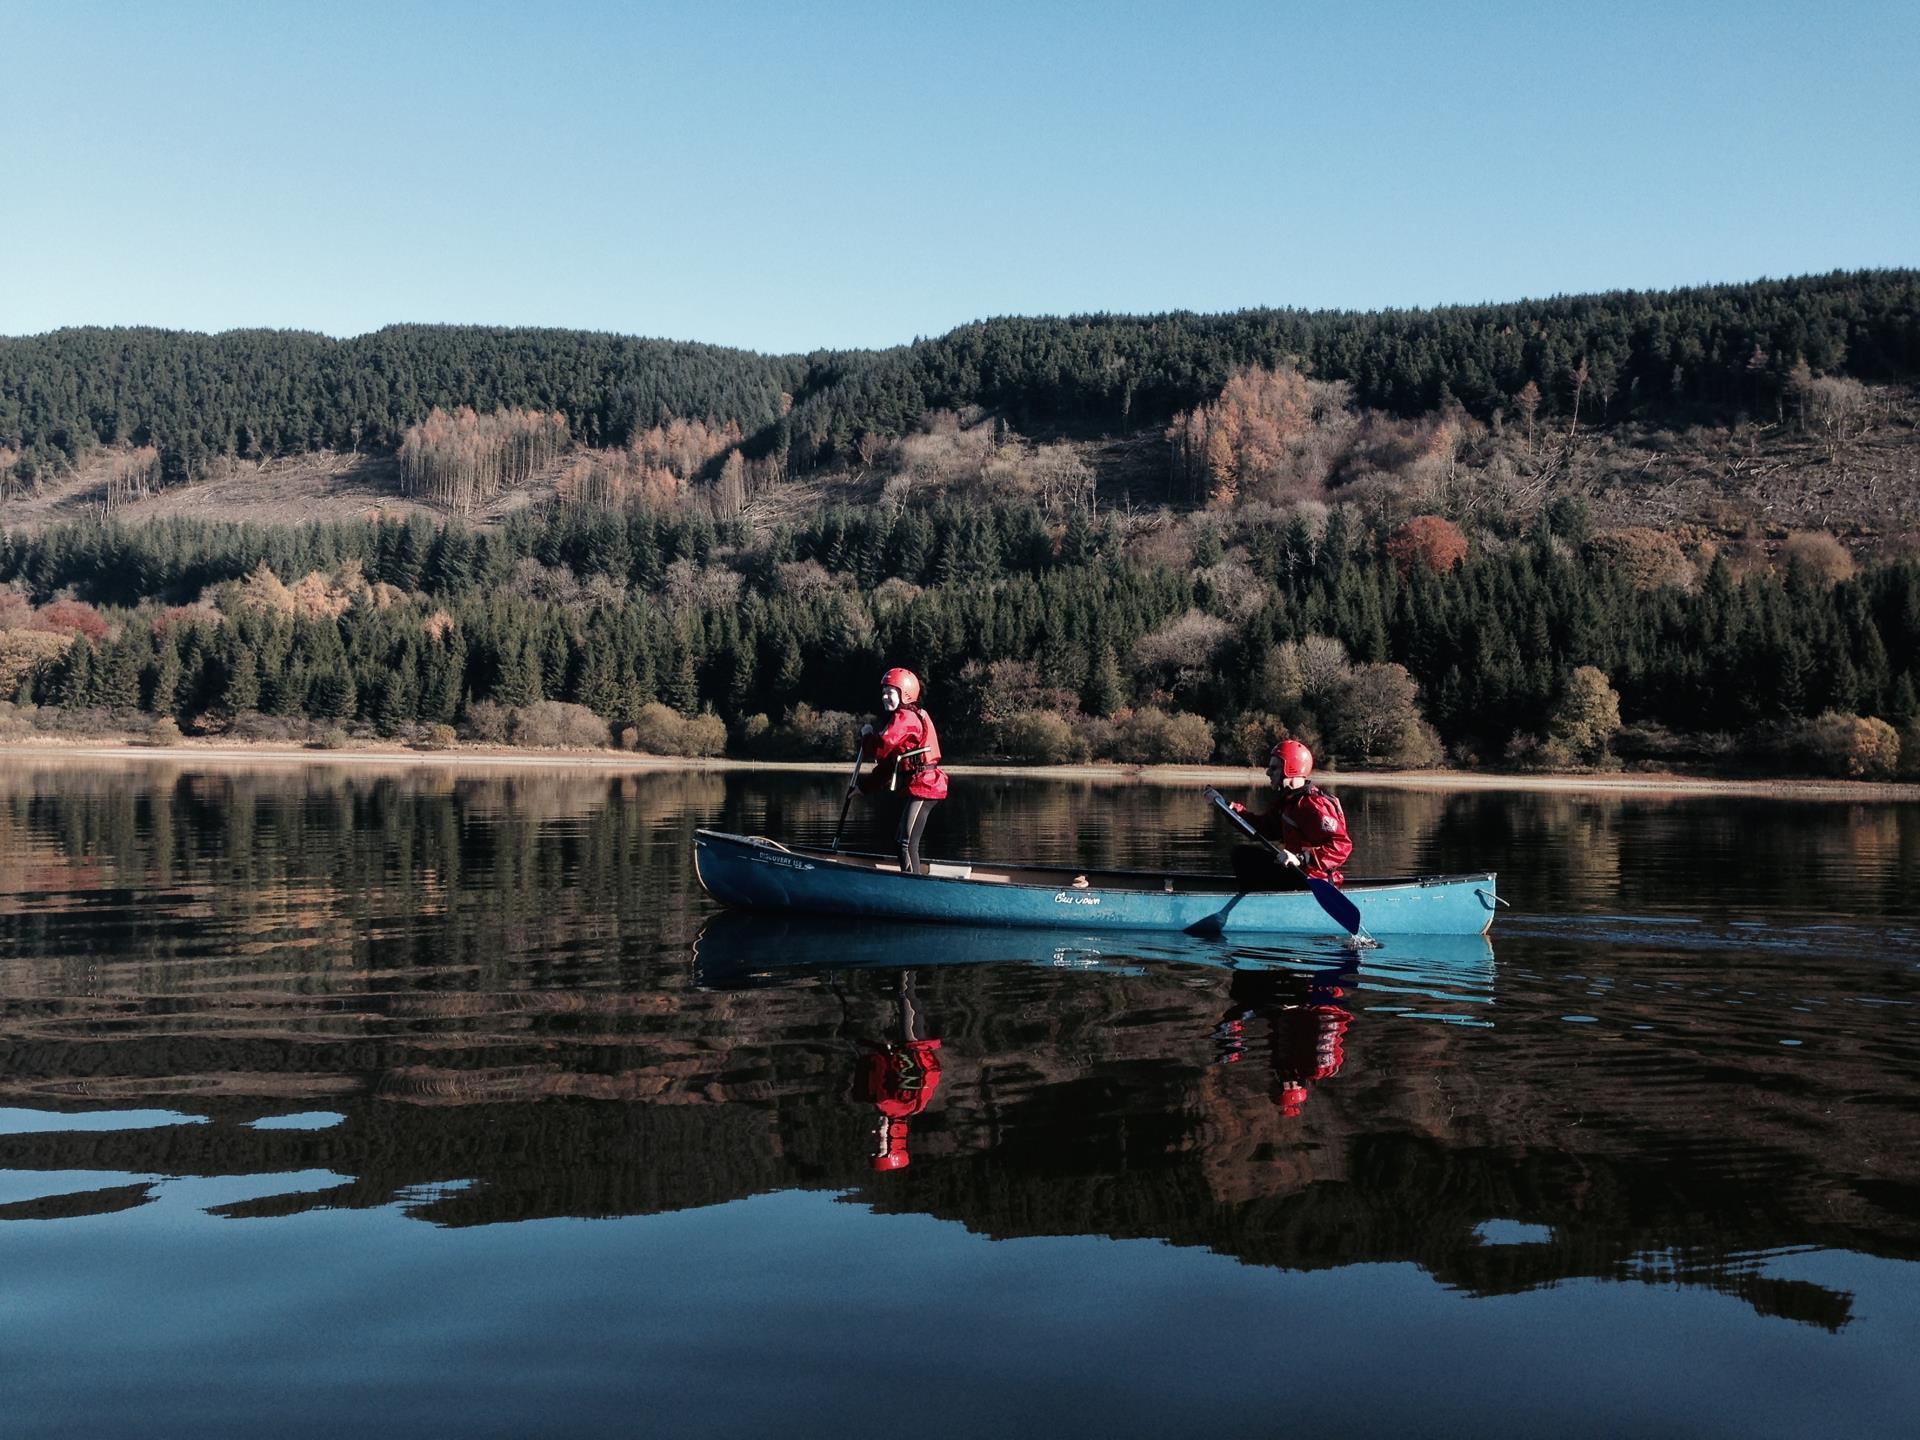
{"x":753,"y":873}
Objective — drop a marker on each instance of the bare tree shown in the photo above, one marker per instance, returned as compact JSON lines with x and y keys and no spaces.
{"x":1527,"y":402}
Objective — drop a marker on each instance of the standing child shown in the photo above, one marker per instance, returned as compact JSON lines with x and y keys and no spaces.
{"x":906,"y":763}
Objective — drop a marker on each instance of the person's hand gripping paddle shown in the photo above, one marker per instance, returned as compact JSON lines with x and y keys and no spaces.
{"x":853,"y":782}
{"x":1342,"y":911}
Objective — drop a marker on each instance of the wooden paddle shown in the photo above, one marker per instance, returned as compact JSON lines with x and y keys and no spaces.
{"x":1342,"y":911}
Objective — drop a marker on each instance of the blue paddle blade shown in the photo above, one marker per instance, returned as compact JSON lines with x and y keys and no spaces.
{"x":1343,"y":911}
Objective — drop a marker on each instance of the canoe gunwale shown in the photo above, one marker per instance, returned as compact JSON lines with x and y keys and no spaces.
{"x":1052,"y":877}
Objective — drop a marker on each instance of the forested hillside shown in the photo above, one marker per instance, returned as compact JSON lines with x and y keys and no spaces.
{"x":678,"y":635}
{"x":1656,"y":528}
{"x":1670,"y":357}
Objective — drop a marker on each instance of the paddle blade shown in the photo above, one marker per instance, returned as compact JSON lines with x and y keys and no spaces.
{"x":1339,"y":908}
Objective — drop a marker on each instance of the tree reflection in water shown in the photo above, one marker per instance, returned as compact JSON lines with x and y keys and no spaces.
{"x":513,"y":995}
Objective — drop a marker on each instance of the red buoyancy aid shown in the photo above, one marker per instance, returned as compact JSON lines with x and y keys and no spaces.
{"x":1311,"y":823}
{"x":1309,"y":1044}
{"x":912,"y":743}
{"x":900,"y":1081}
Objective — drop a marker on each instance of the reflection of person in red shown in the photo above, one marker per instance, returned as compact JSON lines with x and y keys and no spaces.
{"x":899,"y":1078}
{"x":1306,"y":1030}
{"x":1308,"y":822}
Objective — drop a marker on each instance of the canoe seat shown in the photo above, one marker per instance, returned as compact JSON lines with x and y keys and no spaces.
{"x":948,"y":871}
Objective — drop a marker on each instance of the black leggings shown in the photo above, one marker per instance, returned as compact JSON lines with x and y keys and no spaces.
{"x":1256,"y":867}
{"x":913,"y":824}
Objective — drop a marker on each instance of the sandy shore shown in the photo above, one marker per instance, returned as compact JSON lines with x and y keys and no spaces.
{"x":197,"y":753}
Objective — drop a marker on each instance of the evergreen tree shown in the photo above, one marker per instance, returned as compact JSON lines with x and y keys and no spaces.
{"x":518,"y":681}
{"x":117,"y":679}
{"x":163,"y":689}
{"x":397,"y":701}
{"x":242,"y":690}
{"x":1103,"y":692}
{"x":73,"y":684}
{"x":683,"y":692}
{"x":331,"y":694}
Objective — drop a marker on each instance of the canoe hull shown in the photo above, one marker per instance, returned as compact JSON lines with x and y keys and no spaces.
{"x":752,"y":873}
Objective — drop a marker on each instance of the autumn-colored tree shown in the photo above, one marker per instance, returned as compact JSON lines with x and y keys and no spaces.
{"x":1649,"y":559}
{"x":1854,"y":746}
{"x":1377,"y":718}
{"x":72,"y":617}
{"x":658,"y":466}
{"x":1432,"y":540}
{"x":27,"y":657}
{"x":1587,"y":717}
{"x":1223,"y":463}
{"x":1819,"y":556}
{"x":1249,"y":434}
{"x":132,"y":475}
{"x":463,"y":459}
{"x":264,"y":590}
{"x":730,"y":490}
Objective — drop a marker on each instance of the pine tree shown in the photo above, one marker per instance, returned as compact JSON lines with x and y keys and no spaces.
{"x":683,"y":692}
{"x":73,"y":685}
{"x":331,"y":695}
{"x":600,"y":686}
{"x":1103,"y":692}
{"x":242,"y":690}
{"x":518,"y":682}
{"x":444,"y":688}
{"x":397,"y":704}
{"x":163,"y":689}
{"x":117,"y":679}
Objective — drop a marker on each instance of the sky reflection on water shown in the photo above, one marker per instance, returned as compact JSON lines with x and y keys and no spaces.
{"x":358,"y":1101}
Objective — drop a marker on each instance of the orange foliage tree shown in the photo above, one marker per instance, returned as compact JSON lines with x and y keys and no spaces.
{"x":1244,"y":436}
{"x":1432,"y":539}
{"x":72,"y":617}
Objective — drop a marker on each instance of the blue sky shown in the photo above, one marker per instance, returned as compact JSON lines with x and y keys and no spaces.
{"x":801,"y":175}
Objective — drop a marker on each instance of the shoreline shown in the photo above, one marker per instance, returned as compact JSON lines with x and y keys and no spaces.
{"x":245,"y":753}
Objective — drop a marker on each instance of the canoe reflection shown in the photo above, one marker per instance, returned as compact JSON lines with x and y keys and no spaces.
{"x":738,"y":950}
{"x":1287,"y":1005}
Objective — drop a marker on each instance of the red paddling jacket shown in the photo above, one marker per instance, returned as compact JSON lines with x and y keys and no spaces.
{"x":1313,"y":826}
{"x":909,"y":749}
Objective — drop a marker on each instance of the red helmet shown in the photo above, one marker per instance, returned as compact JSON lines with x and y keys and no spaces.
{"x":1291,"y":1099}
{"x":905,"y":681}
{"x":891,"y":1151}
{"x":1294,"y":758}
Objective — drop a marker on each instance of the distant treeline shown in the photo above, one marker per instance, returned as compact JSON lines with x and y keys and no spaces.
{"x":1048,"y":642}
{"x":1684,"y":353}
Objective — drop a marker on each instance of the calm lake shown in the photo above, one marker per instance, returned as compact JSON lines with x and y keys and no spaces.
{"x":340,"y":1103}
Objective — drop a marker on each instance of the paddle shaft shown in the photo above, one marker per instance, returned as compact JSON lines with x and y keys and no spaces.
{"x":1341,"y":910}
{"x":859,"y":753}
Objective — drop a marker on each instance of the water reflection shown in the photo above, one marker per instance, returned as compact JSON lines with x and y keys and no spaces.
{"x":485,"y":1001}
{"x":1306,"y":1028}
{"x":898,"y":1076}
